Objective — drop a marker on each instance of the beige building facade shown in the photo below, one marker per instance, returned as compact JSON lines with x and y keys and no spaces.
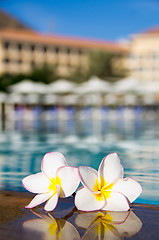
{"x":143,"y":61}
{"x":22,"y":50}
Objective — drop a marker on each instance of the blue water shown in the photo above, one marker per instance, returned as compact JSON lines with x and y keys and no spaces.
{"x":84,"y":139}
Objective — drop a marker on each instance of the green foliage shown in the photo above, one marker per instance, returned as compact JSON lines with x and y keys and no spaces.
{"x":78,"y":76}
{"x":102,"y":64}
{"x":45,"y":74}
{"x":8,"y":79}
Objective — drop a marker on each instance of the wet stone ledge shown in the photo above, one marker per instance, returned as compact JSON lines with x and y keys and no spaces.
{"x":66,"y":222}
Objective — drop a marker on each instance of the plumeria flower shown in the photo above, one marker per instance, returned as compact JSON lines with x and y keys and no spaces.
{"x":106,"y":189}
{"x":51,"y":228}
{"x":108,"y":225}
{"x":55,"y":180}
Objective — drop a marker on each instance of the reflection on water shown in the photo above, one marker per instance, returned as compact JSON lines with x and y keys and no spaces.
{"x":84,"y":137}
{"x":98,"y":225}
{"x":109,"y":225}
{"x":51,"y":227}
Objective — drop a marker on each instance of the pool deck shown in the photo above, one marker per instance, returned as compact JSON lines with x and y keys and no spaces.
{"x":14,"y":218}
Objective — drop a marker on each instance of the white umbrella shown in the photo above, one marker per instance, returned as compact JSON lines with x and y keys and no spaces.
{"x":61,"y":86}
{"x":130,"y":99}
{"x":126,"y":85}
{"x":92,"y":99}
{"x":150,"y":87}
{"x":148,"y":99}
{"x":27,"y":87}
{"x":94,"y":85}
{"x":50,"y":99}
{"x":32,"y":98}
{"x":3,"y":97}
{"x":15,"y":98}
{"x":41,"y":88}
{"x":110,"y":99}
{"x":71,"y":99}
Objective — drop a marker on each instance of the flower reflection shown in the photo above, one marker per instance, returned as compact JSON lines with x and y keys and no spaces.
{"x":108,"y":225}
{"x":51,"y":228}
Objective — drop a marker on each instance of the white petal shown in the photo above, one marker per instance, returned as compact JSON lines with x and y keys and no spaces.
{"x":38,"y":199}
{"x":46,"y":218}
{"x":116,"y":202}
{"x":85,"y":200}
{"x":52,"y":202}
{"x":110,"y":168}
{"x":85,"y":219}
{"x":117,"y":217}
{"x":129,"y":187}
{"x":92,"y":233}
{"x":130,"y":227}
{"x":51,"y":162}
{"x":36,"y":183}
{"x":69,"y":180}
{"x":69,"y":232}
{"x":88,"y":176}
{"x":38,"y":225}
{"x":110,"y":233}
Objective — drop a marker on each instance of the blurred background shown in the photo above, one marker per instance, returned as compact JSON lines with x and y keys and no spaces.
{"x":81,"y":78}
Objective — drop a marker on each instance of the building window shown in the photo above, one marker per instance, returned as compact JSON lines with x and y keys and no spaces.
{"x":45,"y":49}
{"x":154,"y":55}
{"x":132,"y":56}
{"x":154,"y":68}
{"x":79,"y":51}
{"x":140,"y":69}
{"x":6,"y":60}
{"x":32,"y":48}
{"x":19,"y":61}
{"x":19,"y":46}
{"x":57,"y":49}
{"x":68,"y":50}
{"x":6,"y":45}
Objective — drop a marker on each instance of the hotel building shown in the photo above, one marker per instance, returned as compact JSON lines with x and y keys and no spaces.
{"x":22,"y":50}
{"x":143,"y":62}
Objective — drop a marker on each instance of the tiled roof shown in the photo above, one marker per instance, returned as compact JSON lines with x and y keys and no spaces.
{"x":34,"y":37}
{"x":154,"y":30}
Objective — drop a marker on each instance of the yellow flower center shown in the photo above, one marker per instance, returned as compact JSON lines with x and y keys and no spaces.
{"x":55,"y":229}
{"x":103,"y":188}
{"x":104,"y":224}
{"x":53,"y":182}
{"x":107,"y":219}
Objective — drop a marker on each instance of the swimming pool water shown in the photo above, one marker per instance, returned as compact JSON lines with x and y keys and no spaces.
{"x":84,"y":141}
